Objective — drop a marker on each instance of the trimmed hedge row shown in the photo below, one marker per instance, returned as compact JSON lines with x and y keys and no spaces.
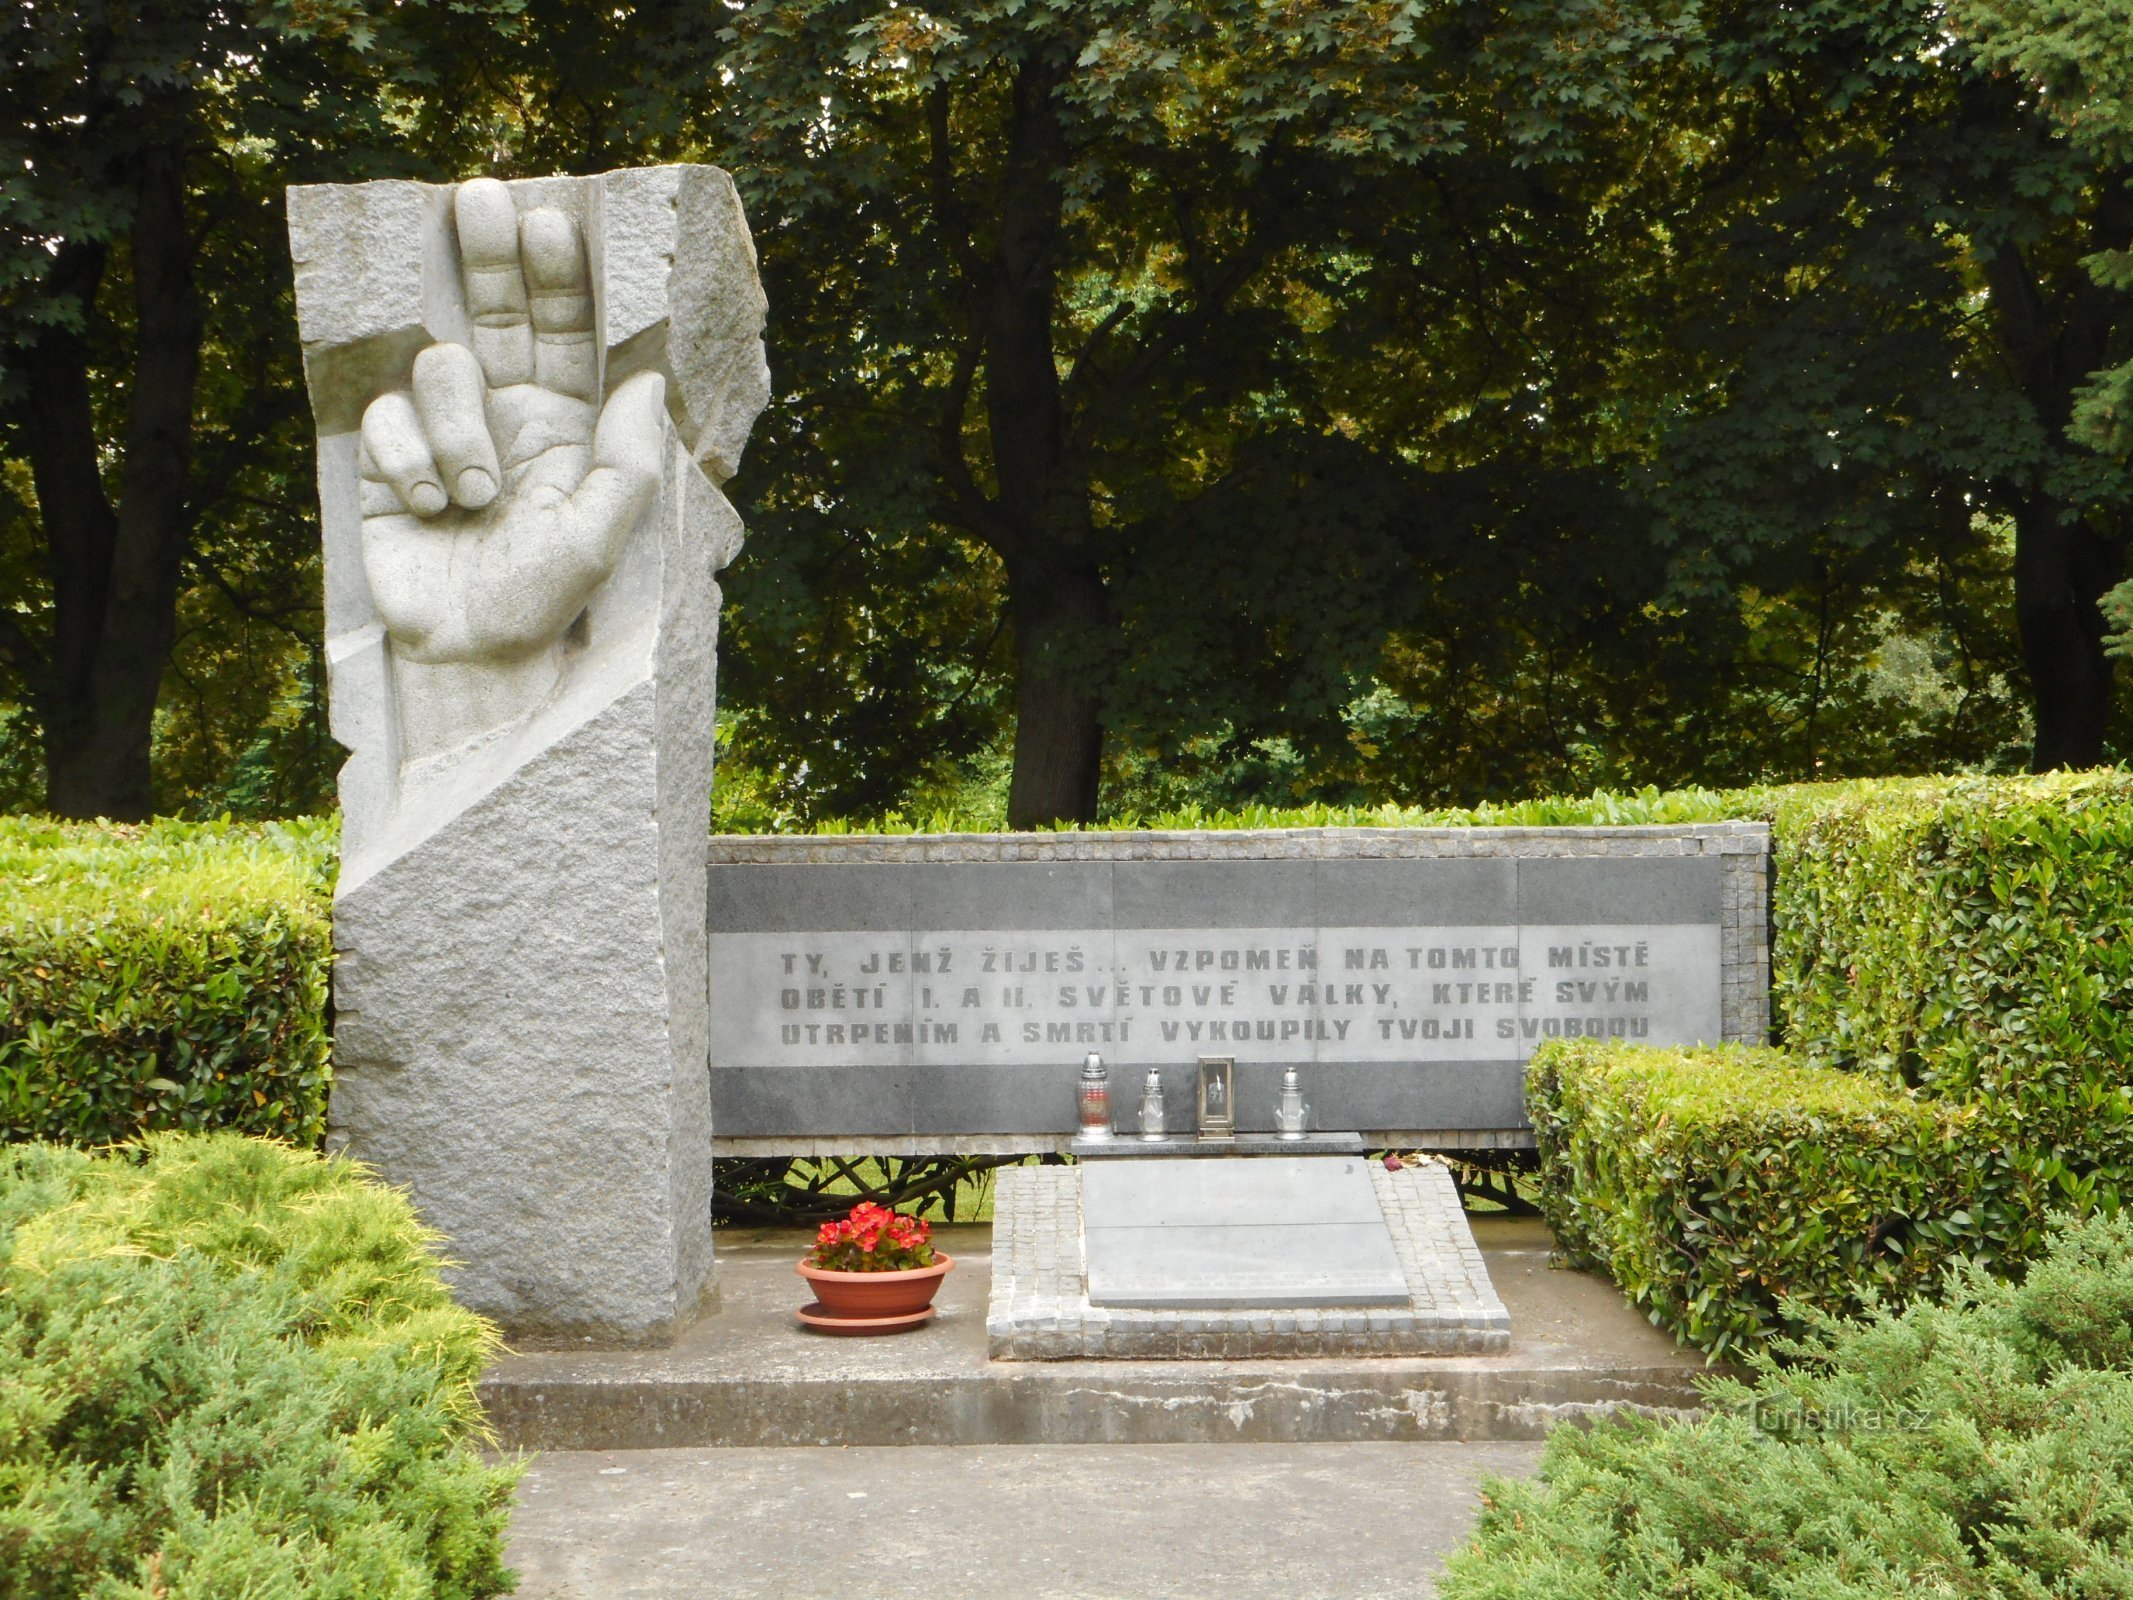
{"x":232,"y":1369}
{"x":1979,"y":1446}
{"x":1953,"y":977}
{"x":1716,"y":1185}
{"x":170,"y":975}
{"x":1603,"y":808}
{"x":1972,"y":940}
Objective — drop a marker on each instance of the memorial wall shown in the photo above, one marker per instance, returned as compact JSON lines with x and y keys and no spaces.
{"x":939,"y":993}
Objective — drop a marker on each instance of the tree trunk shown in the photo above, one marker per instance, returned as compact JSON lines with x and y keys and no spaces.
{"x":2054,"y":337}
{"x":115,"y":572}
{"x":1058,"y":703}
{"x":1040,"y":523}
{"x":2062,"y":570}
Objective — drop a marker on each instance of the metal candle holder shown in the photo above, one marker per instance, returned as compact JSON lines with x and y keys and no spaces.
{"x":1218,"y":1097}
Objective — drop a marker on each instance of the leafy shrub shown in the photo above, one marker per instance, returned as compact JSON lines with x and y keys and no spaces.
{"x":1973,"y":939}
{"x":1714,"y":1184}
{"x":171,"y":975}
{"x":1953,"y":976}
{"x":231,"y":1368}
{"x":1979,"y":1446}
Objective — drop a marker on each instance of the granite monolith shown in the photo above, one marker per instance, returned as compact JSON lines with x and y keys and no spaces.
{"x":528,"y":396}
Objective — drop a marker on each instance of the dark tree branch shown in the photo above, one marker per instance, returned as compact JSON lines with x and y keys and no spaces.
{"x":1098,"y":337}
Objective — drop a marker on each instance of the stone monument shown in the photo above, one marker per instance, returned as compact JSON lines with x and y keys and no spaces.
{"x":527,"y":396}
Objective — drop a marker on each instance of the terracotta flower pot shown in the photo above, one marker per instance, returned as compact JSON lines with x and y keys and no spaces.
{"x":873,"y":1296}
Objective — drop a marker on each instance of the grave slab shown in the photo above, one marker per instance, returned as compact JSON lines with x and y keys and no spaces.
{"x":1042,"y":1310}
{"x":1273,"y":1231}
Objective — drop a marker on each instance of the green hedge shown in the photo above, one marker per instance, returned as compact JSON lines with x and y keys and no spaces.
{"x":1603,"y":808}
{"x":1715,"y":1185}
{"x":1953,"y":980}
{"x":231,"y":1368}
{"x":1980,"y":1446}
{"x":1972,"y":939}
{"x":172,"y":975}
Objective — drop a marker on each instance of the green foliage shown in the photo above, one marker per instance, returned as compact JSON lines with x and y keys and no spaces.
{"x":212,"y":533}
{"x":170,"y":975}
{"x":1972,"y":940}
{"x":1601,"y":808}
{"x":1458,"y":404}
{"x":233,"y":1369}
{"x":1453,"y":404}
{"x":2118,"y":612}
{"x":1952,"y":973}
{"x":1715,"y":1185}
{"x":2079,"y":59}
{"x":1979,"y":1445}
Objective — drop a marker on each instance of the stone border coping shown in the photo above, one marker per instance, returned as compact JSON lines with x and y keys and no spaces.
{"x":1246,"y":844}
{"x":1040,"y":1311}
{"x":1059,"y":1144}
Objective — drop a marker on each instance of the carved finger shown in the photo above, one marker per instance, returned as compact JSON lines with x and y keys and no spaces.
{"x":400,"y":455}
{"x":559,"y":287}
{"x":628,"y":450}
{"x":496,"y":288}
{"x":448,"y":398}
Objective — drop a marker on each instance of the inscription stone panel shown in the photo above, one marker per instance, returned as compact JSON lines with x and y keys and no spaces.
{"x":953,"y":997}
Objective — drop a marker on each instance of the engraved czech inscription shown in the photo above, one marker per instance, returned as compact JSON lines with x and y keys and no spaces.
{"x":1362,"y":994}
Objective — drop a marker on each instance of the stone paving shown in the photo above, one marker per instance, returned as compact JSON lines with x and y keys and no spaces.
{"x":1040,"y":1310}
{"x":1065,"y":1522}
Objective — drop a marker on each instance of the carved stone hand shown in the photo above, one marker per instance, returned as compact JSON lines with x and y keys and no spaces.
{"x":496,"y":495}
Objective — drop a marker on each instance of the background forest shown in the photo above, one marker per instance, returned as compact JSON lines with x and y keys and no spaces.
{"x":1234,"y":402}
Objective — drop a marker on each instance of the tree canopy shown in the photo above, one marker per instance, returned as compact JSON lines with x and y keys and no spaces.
{"x":1328,"y":401}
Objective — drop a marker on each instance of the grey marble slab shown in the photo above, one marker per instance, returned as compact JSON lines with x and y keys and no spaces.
{"x":1271,"y":1231}
{"x":1184,"y":1193}
{"x":1408,"y":975}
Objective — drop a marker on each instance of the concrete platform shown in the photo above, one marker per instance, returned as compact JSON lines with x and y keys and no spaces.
{"x":748,"y":1374}
{"x":1118,"y":1522}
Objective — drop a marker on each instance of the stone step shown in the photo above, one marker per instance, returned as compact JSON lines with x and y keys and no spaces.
{"x":748,"y":1374}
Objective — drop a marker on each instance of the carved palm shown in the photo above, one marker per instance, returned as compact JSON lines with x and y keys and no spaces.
{"x":496,"y":494}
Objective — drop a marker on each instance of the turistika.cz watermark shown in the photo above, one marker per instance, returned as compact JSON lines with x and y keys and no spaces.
{"x":1784,"y":1414}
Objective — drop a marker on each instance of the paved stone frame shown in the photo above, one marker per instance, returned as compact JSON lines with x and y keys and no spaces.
{"x":1742,"y":848}
{"x":1040,"y":1310}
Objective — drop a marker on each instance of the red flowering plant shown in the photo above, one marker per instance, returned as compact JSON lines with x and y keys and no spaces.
{"x":872,"y":1239}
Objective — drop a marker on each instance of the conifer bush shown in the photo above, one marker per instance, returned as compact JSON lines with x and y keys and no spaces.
{"x":227,"y":1368}
{"x":171,"y":975}
{"x":1981,"y":1444}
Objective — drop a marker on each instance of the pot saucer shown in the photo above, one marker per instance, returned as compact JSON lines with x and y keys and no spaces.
{"x":822,"y":1322}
